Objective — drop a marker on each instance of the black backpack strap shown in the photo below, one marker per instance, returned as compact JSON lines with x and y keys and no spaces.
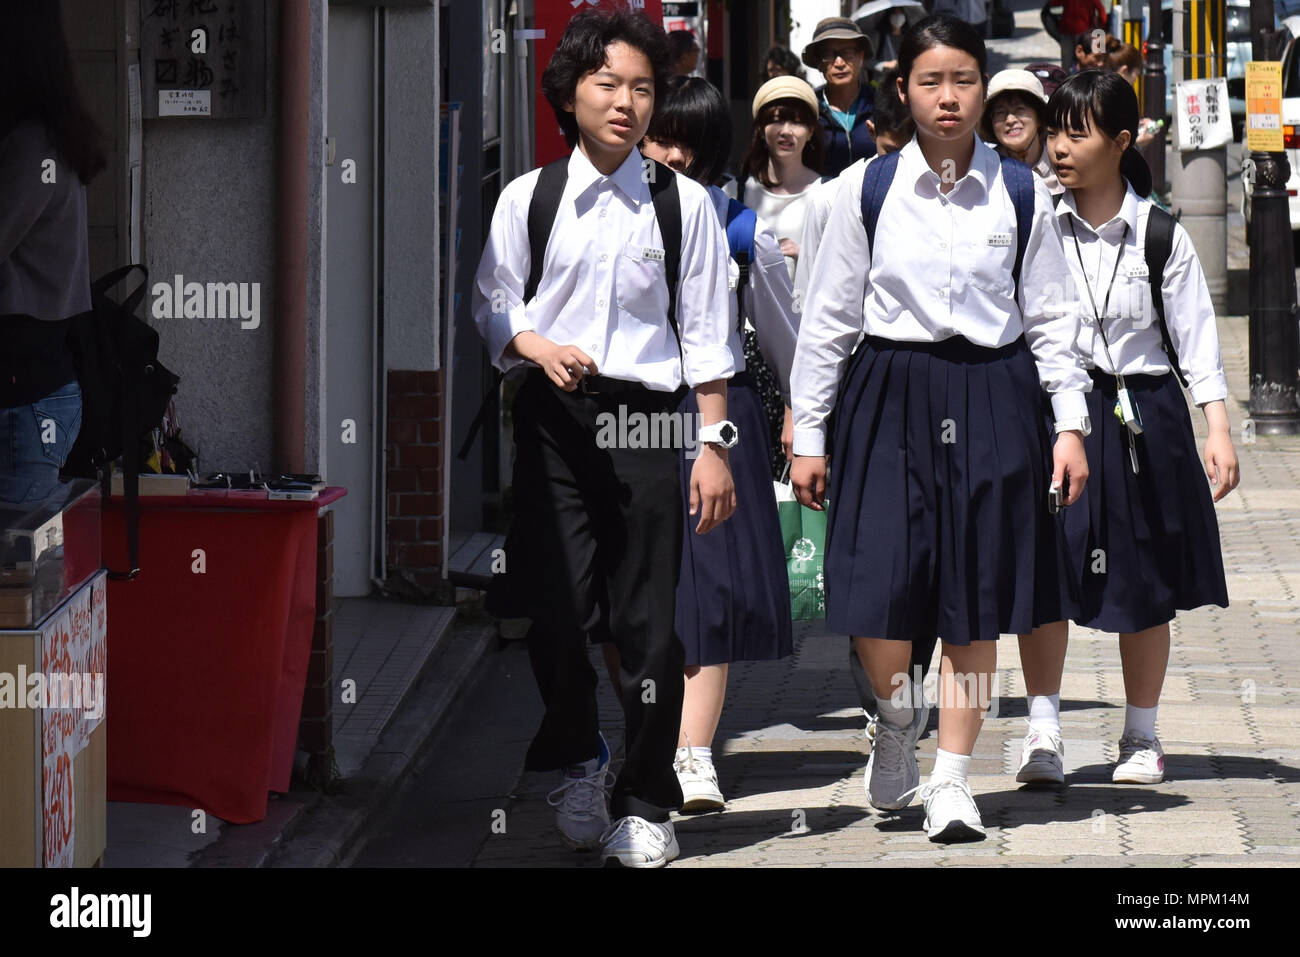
{"x":1158,"y":245}
{"x":543,"y":207}
{"x":668,"y":211}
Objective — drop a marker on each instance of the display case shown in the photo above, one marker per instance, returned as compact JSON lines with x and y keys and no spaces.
{"x":47,"y":552}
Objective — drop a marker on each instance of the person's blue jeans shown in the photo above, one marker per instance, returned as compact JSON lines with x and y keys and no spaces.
{"x":34,"y":443}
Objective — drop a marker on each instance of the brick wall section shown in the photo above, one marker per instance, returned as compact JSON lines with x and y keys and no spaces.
{"x":414,"y":462}
{"x":315,"y":729}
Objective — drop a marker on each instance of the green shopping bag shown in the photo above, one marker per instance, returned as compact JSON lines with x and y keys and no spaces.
{"x":803,"y":533}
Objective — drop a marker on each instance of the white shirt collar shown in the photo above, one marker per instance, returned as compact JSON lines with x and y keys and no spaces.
{"x":627,"y":178}
{"x":983,"y":163}
{"x":1128,"y":212}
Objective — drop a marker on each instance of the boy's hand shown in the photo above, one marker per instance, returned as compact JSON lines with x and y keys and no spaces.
{"x":808,"y":476}
{"x":564,"y":364}
{"x":713,"y":493}
{"x":1068,"y":458}
{"x":1221,"y":462}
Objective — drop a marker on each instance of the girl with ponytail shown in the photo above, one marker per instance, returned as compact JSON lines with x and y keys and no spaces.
{"x":1143,"y":541}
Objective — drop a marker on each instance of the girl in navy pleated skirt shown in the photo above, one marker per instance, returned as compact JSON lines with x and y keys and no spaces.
{"x":1143,"y":542}
{"x":941,"y":454}
{"x":733,"y":595}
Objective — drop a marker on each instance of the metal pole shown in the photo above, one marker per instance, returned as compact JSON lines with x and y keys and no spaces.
{"x":1200,"y":188}
{"x":1274,"y":335}
{"x":1153,"y":89}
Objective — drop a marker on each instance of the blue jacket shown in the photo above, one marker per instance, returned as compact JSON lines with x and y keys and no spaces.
{"x":840,"y":149}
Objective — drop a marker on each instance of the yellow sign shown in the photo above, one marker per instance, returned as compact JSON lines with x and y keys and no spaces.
{"x":1264,"y":106}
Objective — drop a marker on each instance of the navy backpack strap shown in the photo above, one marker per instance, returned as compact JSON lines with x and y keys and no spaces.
{"x":876,"y":180}
{"x":668,"y":211}
{"x":542,"y":210}
{"x":1158,"y":245}
{"x":1019,"y":179}
{"x":742,"y":222}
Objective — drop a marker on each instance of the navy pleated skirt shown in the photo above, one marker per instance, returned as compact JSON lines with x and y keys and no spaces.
{"x":733,"y":594}
{"x":1142,"y":547}
{"x":938,"y":519}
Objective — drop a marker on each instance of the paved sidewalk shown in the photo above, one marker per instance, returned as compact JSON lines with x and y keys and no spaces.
{"x":790,"y":752}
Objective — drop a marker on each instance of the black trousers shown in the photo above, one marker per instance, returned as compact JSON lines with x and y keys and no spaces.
{"x":596,"y":546}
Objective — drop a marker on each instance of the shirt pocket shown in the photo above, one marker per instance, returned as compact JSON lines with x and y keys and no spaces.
{"x":990,"y":265}
{"x":1131,"y":304}
{"x":641,"y":284}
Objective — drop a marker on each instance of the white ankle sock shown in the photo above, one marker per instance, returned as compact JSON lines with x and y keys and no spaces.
{"x":1045,"y":712}
{"x":898,"y":716}
{"x":702,"y":754}
{"x":949,"y":766}
{"x":1140,"y":721}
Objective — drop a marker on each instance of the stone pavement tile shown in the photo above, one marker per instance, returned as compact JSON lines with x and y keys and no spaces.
{"x":1252,"y":861}
{"x":1102,"y":845}
{"x":1021,"y":860}
{"x":1278,"y":851}
{"x":1162,"y":841}
{"x":1106,"y":861}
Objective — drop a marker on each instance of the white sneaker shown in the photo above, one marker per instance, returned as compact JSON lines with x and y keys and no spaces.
{"x":950,"y":813}
{"x":1042,"y":758}
{"x":581,"y":802}
{"x":699,"y":781}
{"x":892,"y":773}
{"x":635,"y":842}
{"x":1141,"y":761}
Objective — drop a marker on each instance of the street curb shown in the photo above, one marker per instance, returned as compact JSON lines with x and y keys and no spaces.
{"x":325,"y":833}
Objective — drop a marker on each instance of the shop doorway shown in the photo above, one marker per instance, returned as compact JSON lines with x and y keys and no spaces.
{"x":353,"y":328}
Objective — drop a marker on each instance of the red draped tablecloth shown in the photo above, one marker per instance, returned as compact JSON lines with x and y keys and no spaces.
{"x":206,"y":669}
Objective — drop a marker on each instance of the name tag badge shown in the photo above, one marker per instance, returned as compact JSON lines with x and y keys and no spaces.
{"x":999,"y":239}
{"x":650,"y":254}
{"x":1139,"y":271}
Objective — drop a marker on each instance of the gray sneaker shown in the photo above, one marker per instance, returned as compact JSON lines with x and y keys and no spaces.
{"x":893,"y":775}
{"x":1042,"y":758}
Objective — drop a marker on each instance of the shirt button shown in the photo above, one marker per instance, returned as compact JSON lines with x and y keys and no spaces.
{"x":604,"y":257}
{"x":600,"y":302}
{"x":602,"y":214}
{"x":943,"y":245}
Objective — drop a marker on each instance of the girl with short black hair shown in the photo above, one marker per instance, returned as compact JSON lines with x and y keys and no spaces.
{"x":1143,"y":542}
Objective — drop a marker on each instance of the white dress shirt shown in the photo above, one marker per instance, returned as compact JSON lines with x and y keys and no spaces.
{"x":603,"y":287}
{"x":769,"y":301}
{"x":1130,"y":323}
{"x":941,"y":267}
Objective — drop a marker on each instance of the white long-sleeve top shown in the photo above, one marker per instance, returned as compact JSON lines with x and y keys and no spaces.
{"x":1130,"y":323}
{"x":603,"y":286}
{"x":814,"y":224}
{"x":769,"y":301}
{"x":941,"y":267}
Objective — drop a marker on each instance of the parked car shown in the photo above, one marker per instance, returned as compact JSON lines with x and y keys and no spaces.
{"x":1290,"y":131}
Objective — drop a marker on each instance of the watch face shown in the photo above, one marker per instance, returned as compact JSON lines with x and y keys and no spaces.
{"x":727,"y":433}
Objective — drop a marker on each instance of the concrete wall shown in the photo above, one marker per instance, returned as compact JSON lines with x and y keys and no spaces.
{"x":209,"y":215}
{"x":410,"y":188}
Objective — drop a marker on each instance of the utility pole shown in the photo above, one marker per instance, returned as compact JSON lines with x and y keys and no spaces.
{"x":1200,"y":177}
{"x":1274,"y":335}
{"x":1153,"y":93}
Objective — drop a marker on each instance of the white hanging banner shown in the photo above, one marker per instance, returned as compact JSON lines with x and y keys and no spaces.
{"x":1204,"y":121}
